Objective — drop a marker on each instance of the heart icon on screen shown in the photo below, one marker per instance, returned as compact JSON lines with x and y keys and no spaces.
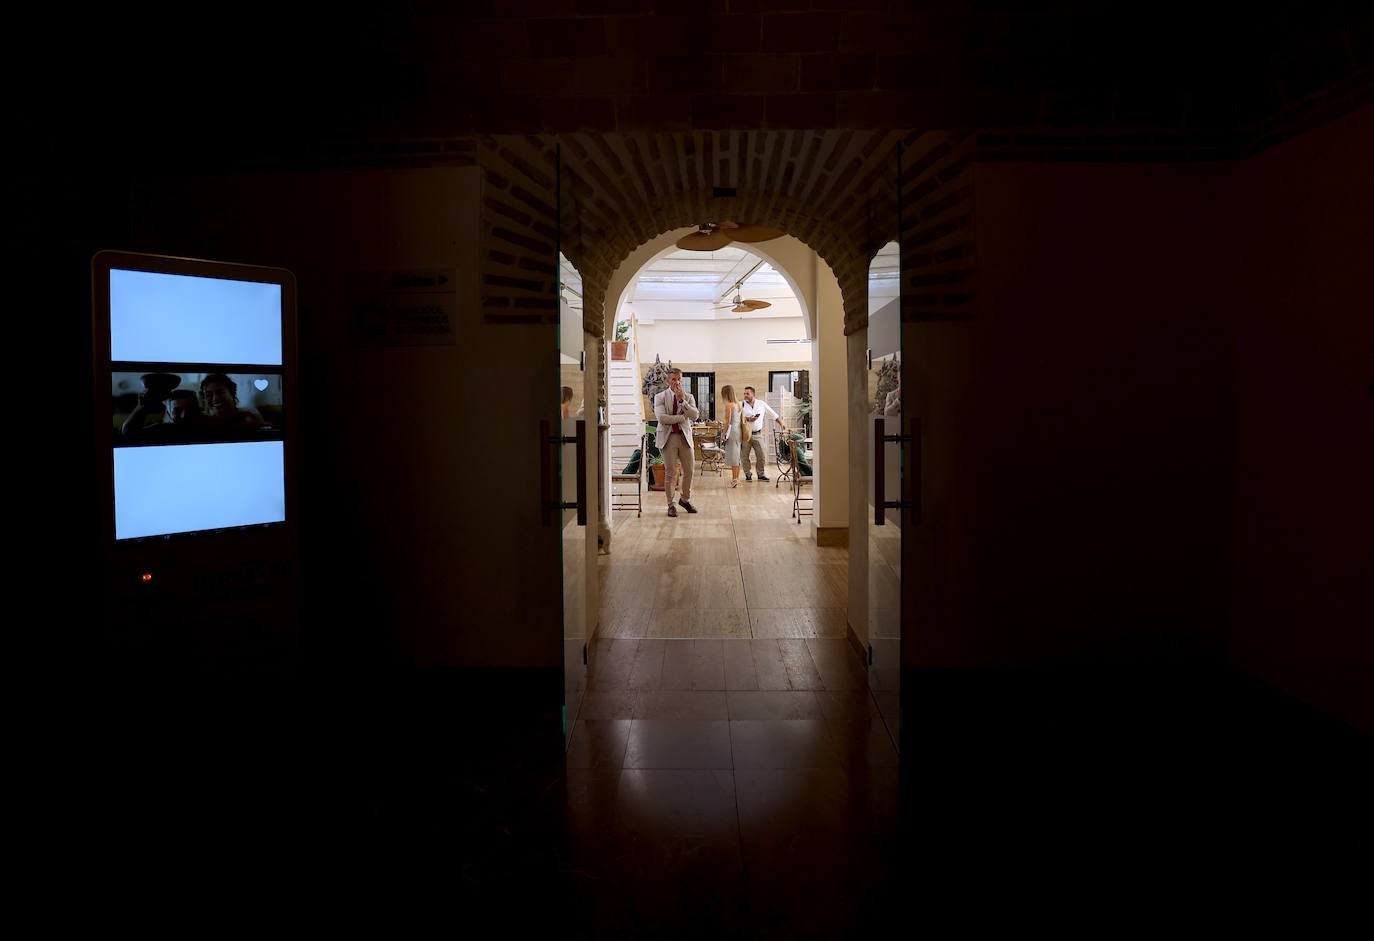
{"x":260,"y":385}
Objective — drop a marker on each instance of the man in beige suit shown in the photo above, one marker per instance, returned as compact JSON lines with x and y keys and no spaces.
{"x":675,"y":411}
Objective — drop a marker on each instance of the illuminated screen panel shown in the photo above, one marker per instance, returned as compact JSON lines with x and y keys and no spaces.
{"x":193,"y":355}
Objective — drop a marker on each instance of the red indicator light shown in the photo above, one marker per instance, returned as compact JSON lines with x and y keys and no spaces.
{"x":146,"y":577}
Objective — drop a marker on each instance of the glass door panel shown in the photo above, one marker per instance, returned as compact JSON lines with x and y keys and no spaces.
{"x":702,"y":386}
{"x":577,"y":434}
{"x":885,"y":486}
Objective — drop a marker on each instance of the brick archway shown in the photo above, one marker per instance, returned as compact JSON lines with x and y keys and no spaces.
{"x":596,"y":198}
{"x":832,"y":190}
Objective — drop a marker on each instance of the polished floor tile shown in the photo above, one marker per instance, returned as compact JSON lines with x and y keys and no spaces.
{"x":774,"y":743}
{"x":757,"y":779}
{"x":774,"y":704}
{"x":728,"y":776}
{"x":750,"y":797}
{"x":600,"y":743}
{"x":709,"y":704}
{"x":679,"y":743}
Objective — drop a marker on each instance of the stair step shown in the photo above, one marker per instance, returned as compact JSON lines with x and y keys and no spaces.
{"x":624,"y":409}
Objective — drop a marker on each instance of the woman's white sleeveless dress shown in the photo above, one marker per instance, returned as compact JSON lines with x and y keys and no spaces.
{"x":732,"y":442}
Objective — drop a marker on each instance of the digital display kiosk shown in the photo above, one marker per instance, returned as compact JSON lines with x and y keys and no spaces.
{"x":195,"y":436}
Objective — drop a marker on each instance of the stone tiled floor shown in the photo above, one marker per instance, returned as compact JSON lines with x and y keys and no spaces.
{"x":742,"y":567}
{"x":727,"y":777}
{"x":744,"y":781}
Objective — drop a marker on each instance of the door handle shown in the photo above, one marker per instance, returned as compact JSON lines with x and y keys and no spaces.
{"x":551,"y":503}
{"x":880,"y":442}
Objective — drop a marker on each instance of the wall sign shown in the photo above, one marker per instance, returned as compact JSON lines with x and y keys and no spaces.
{"x":409,"y":307}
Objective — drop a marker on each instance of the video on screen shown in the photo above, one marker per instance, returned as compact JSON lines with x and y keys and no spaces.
{"x":196,"y":386}
{"x":193,"y":405}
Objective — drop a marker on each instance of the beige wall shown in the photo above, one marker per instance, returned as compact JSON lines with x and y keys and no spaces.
{"x":1304,"y":425}
{"x":857,"y":498}
{"x":830,"y":384}
{"x":1154,"y":444}
{"x":723,"y":340}
{"x":1076,"y":444}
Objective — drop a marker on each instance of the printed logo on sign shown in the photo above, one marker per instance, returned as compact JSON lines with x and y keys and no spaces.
{"x":405,"y":308}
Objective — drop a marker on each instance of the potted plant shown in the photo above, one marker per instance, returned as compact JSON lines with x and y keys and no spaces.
{"x":653,"y":456}
{"x":620,"y":346}
{"x":804,"y":412}
{"x":656,"y":472}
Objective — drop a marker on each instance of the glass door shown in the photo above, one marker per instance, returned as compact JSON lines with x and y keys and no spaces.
{"x":576,"y":440}
{"x":885,"y":486}
{"x":702,"y":387}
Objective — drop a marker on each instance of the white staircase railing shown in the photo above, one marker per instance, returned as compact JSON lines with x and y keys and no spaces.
{"x":625,"y":403}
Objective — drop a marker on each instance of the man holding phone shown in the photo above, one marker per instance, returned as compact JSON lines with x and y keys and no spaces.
{"x":755,"y":411}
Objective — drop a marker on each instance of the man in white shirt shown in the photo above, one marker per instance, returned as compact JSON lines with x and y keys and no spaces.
{"x":755,"y":411}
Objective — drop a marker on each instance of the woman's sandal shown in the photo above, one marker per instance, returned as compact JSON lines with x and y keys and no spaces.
{"x":734,"y":483}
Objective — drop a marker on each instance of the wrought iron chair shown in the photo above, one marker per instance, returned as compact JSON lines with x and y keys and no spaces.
{"x":803,"y":494}
{"x":712,"y":455}
{"x":622,"y":497}
{"x":781,"y":455}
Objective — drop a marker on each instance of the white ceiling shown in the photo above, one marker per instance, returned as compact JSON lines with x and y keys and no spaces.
{"x":689,"y":285}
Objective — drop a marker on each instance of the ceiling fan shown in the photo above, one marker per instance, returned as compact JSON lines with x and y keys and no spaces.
{"x":743,"y":305}
{"x":710,"y":236}
{"x":739,"y":306}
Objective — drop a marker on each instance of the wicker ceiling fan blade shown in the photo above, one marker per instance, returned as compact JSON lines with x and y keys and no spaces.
{"x":754,"y":305}
{"x":755,"y":233}
{"x":704,"y":241}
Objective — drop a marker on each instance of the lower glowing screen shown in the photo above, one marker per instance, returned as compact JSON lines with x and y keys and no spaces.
{"x":188,"y":488}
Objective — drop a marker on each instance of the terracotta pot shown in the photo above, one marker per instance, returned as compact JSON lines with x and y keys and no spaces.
{"x":656,"y":476}
{"x":620,"y":350}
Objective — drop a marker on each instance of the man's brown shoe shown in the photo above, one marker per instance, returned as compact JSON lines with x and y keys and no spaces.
{"x":672,"y":510}
{"x":687,"y":505}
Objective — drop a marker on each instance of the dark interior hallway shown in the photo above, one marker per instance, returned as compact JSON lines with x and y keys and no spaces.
{"x":1136,"y":273}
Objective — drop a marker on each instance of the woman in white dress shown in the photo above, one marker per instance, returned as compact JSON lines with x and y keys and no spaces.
{"x":730,"y":421}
